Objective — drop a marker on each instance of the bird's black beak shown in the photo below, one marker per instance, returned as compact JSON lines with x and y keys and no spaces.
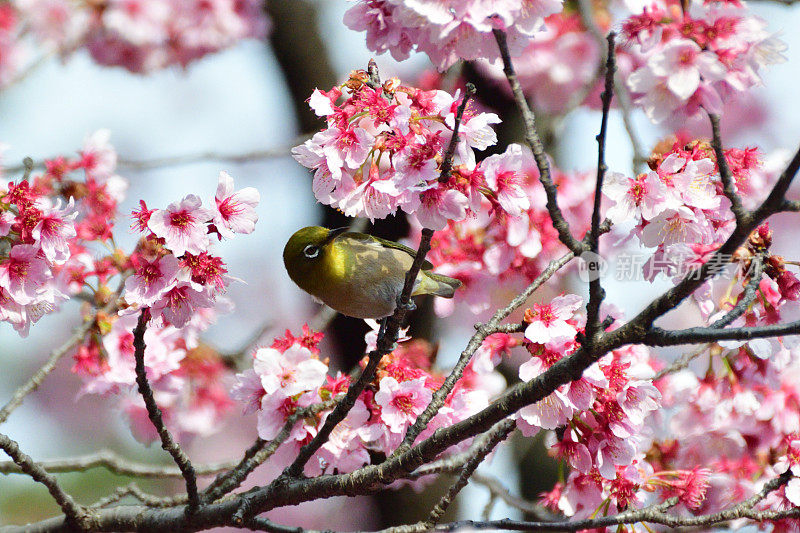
{"x":333,"y":233}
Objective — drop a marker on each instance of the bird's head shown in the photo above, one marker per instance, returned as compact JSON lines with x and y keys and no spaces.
{"x":304,"y":253}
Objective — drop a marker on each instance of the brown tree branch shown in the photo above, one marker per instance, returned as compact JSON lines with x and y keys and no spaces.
{"x":75,"y":515}
{"x":728,"y":185}
{"x":662,"y":337}
{"x":167,"y":442}
{"x":596,"y":292}
{"x":36,"y":380}
{"x":117,"y":465}
{"x":496,"y":435}
{"x":534,"y":142}
{"x":586,"y":12}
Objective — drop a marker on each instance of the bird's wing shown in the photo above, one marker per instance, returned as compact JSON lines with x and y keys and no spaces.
{"x":371,"y":240}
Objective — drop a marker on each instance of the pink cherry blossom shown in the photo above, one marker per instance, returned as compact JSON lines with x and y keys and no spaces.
{"x":143,"y":35}
{"x":380,"y":153}
{"x":683,"y":63}
{"x":151,"y":280}
{"x":182,"y":225}
{"x":54,"y":231}
{"x":98,"y":157}
{"x":449,"y":30}
{"x":503,"y":174}
{"x":292,"y":372}
{"x":548,"y":322}
{"x":275,"y":409}
{"x":179,"y":302}
{"x":234,"y":212}
{"x":401,"y":403}
{"x":694,"y":62}
{"x":248,"y":390}
{"x":645,"y":197}
{"x":438,"y":205}
{"x":343,"y":449}
{"x":162,"y":356}
{"x":675,"y":226}
{"x":140,"y":22}
{"x":24,"y":273}
{"x":548,"y":413}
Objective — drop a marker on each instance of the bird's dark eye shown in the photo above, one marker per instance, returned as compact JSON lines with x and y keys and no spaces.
{"x":311,"y":251}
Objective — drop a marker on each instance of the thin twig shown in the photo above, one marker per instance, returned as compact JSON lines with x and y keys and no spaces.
{"x":74,"y":512}
{"x":167,"y":442}
{"x":138,"y":165}
{"x":586,"y":12}
{"x":483,"y":331}
{"x":36,"y":380}
{"x":682,"y":362}
{"x":496,"y":435}
{"x":497,"y":490}
{"x":596,"y":292}
{"x":728,"y":185}
{"x":134,"y":491}
{"x":535,"y":143}
{"x":748,"y":296}
{"x":117,"y":465}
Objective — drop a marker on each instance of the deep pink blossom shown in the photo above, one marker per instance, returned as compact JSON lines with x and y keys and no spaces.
{"x":24,"y":273}
{"x":182,"y":225}
{"x":234,"y":212}
{"x":151,"y":280}
{"x":548,"y":322}
{"x":401,"y":403}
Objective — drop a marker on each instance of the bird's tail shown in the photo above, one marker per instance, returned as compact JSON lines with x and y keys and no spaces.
{"x":432,"y":283}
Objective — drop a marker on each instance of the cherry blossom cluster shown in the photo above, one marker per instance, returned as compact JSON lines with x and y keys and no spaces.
{"x":175,"y":273}
{"x":679,"y":206}
{"x":735,"y":410}
{"x":180,"y":284}
{"x":140,"y":35}
{"x":696,"y":59}
{"x":603,"y":413}
{"x":383,"y":147}
{"x":450,"y":30}
{"x":736,"y":417}
{"x":189,"y":379}
{"x":289,"y":375}
{"x":48,"y":222}
{"x":511,"y":238}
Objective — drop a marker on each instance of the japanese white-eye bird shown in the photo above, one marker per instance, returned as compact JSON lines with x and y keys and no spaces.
{"x":357,"y":274}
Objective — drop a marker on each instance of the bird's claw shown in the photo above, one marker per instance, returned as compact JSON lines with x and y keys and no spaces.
{"x":408,"y":306}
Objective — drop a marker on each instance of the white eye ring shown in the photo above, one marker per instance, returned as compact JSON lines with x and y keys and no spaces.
{"x":311,"y":251}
